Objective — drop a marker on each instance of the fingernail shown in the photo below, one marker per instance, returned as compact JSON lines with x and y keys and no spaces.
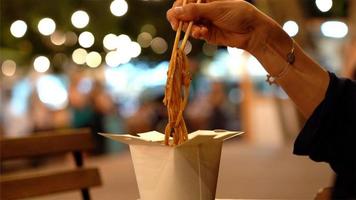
{"x":178,"y":10}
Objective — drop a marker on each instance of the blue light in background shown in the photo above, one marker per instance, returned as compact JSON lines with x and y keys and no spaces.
{"x":52,"y":92}
{"x":20,"y":97}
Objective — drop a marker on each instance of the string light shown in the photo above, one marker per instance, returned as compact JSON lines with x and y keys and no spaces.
{"x":334,"y":29}
{"x":110,"y":41}
{"x":119,"y":7}
{"x":291,"y":27}
{"x":80,"y":19}
{"x":41,"y":64}
{"x":18,"y":28}
{"x":324,"y":5}
{"x":46,"y":26}
{"x":79,"y":56}
{"x":134,"y":49}
{"x":93,"y":59}
{"x":86,"y":39}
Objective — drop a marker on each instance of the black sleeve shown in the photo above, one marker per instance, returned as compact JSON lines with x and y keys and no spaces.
{"x":329,"y":135}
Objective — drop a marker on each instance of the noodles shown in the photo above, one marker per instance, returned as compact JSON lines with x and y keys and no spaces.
{"x":176,"y":97}
{"x":177,"y":88}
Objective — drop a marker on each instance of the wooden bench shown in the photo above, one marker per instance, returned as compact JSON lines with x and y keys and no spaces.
{"x":74,"y":141}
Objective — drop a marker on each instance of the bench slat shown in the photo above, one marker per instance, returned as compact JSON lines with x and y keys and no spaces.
{"x":13,"y":187}
{"x":46,"y":143}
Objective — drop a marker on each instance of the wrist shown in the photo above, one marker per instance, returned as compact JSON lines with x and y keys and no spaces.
{"x":264,"y":28}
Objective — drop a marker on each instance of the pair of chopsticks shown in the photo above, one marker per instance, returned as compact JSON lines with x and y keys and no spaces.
{"x":178,"y":33}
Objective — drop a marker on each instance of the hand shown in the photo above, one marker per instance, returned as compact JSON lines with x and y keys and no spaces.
{"x":233,"y":23}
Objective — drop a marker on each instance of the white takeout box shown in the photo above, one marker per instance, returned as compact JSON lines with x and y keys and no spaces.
{"x":185,"y":172}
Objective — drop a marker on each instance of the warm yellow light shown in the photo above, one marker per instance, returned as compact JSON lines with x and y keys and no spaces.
{"x":46,"y":26}
{"x":324,"y":5}
{"x":112,"y":59}
{"x":18,"y":28}
{"x":159,"y":45}
{"x":119,"y":7}
{"x":134,"y":49}
{"x":80,"y":19}
{"x":41,"y":64}
{"x":291,"y":27}
{"x":86,"y":39}
{"x":79,"y":56}
{"x":8,"y":67}
{"x":334,"y":29}
{"x":144,"y":39}
{"x":110,"y":41}
{"x":58,"y":38}
{"x":93,"y":59}
{"x":71,"y":38}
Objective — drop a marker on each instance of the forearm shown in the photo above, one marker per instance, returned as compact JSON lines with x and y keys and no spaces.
{"x":305,"y":82}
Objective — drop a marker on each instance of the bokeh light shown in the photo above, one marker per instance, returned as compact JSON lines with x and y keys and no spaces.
{"x":134,"y":49}
{"x":144,"y":39}
{"x":79,"y":56}
{"x":18,"y":28}
{"x":188,"y":47}
{"x":41,"y":64}
{"x":93,"y":59}
{"x":119,"y":7}
{"x":80,"y":19}
{"x":334,"y":29}
{"x":8,"y":67}
{"x":324,"y":5}
{"x":291,"y":27}
{"x":86,"y":39}
{"x":71,"y":38}
{"x":46,"y":26}
{"x":52,"y":92}
{"x":123,"y":41}
{"x":159,"y":45}
{"x":149,"y":28}
{"x":58,"y":38}
{"x":110,"y":41}
{"x":112,"y":59}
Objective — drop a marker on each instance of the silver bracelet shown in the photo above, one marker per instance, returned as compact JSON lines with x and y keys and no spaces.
{"x":290,"y":60}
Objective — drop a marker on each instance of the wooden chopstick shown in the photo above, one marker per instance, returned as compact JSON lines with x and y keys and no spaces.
{"x":187,"y":33}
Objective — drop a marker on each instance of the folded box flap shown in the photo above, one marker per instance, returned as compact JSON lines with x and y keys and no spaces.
{"x":148,"y":138}
{"x":204,"y":136}
{"x":156,"y":138}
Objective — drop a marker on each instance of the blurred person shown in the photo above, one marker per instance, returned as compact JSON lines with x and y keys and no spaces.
{"x":148,"y":115}
{"x":41,"y":115}
{"x":16,"y":121}
{"x":218,"y":114}
{"x":89,"y":104}
{"x":102,"y":106}
{"x":328,"y":102}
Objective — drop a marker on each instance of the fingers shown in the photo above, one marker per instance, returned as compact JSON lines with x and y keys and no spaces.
{"x":192,"y":12}
{"x":200,"y":32}
{"x":189,"y":12}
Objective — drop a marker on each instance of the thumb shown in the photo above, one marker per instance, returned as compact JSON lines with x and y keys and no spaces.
{"x":193,"y":11}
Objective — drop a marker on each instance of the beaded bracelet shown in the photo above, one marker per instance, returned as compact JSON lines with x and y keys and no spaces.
{"x":290,"y":59}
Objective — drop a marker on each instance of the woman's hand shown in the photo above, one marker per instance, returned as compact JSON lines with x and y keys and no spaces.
{"x":230,"y":23}
{"x":239,"y":24}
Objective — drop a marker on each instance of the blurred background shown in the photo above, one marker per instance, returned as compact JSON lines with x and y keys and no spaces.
{"x":102,"y":64}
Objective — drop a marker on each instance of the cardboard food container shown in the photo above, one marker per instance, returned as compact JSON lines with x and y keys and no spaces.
{"x":187,"y":171}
